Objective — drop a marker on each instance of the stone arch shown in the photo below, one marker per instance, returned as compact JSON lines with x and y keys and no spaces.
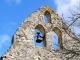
{"x":48,"y":16}
{"x":59,"y":34}
{"x":42,"y":30}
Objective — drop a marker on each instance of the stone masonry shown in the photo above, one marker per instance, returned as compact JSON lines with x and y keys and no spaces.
{"x":23,"y":47}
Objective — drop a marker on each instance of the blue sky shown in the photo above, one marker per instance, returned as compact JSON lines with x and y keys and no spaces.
{"x":13,"y":12}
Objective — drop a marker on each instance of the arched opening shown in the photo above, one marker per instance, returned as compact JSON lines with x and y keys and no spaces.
{"x":55,"y":44}
{"x":56,"y":39}
{"x":47,"y":17}
{"x":39,"y":29}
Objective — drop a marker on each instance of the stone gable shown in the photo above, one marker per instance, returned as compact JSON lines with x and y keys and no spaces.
{"x":23,"y":46}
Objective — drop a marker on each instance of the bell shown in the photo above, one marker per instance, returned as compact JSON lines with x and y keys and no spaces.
{"x":38,"y":40}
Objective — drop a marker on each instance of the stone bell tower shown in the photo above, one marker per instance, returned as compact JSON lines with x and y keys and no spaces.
{"x":23,"y":46}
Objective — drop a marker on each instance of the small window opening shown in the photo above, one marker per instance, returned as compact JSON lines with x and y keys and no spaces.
{"x":35,"y":33}
{"x":39,"y":36}
{"x":55,"y":44}
{"x":47,"y":17}
{"x":57,"y":39}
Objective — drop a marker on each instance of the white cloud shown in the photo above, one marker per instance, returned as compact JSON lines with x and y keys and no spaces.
{"x":64,"y":6}
{"x":4,"y":39}
{"x":11,"y":1}
{"x":12,"y":23}
{"x":18,"y":1}
{"x":8,"y":26}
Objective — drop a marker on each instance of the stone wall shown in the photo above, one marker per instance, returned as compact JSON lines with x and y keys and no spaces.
{"x":23,"y":47}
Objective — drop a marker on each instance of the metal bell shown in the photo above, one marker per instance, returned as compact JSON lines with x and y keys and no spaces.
{"x":38,"y":40}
